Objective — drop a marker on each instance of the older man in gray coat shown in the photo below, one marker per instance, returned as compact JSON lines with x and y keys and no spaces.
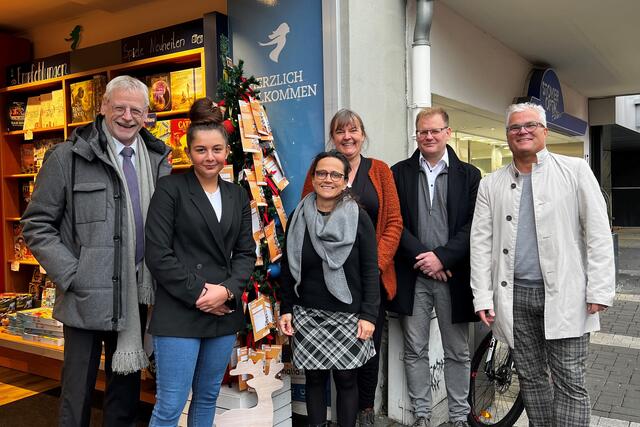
{"x":85,"y":226}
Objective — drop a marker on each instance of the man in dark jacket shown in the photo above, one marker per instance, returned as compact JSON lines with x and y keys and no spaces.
{"x":437,"y":195}
{"x":85,"y":226}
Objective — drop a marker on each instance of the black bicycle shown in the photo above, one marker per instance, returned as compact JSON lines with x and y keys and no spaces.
{"x":494,"y":394}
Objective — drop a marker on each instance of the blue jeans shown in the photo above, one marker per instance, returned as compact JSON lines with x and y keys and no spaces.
{"x":189,"y":363}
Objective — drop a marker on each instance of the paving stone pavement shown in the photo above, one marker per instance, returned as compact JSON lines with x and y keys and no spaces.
{"x":613,"y":365}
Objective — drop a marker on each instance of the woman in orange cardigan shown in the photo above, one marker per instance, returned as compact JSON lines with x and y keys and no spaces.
{"x":372,"y":182}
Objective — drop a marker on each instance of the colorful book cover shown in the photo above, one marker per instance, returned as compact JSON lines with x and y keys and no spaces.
{"x":15,"y":115}
{"x":27,"y":158}
{"x":99,"y":86}
{"x":20,"y":250}
{"x":159,"y":92}
{"x":32,"y":113}
{"x":186,"y":87}
{"x":41,"y":148}
{"x":178,"y":141}
{"x":161,"y":130}
{"x":82,"y":107}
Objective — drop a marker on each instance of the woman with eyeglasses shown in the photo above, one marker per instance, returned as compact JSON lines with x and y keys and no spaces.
{"x":330,"y":288}
{"x":371,"y":181}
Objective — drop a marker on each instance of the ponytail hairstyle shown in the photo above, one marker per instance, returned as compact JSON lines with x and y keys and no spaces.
{"x":205,"y":115}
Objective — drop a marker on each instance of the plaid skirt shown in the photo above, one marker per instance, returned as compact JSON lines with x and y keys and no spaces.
{"x":328,"y":340}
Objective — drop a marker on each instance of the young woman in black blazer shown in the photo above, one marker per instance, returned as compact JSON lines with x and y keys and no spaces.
{"x":200,"y":251}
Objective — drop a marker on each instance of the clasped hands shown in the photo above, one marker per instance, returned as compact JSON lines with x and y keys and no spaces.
{"x":212,"y":300}
{"x":429,"y":264}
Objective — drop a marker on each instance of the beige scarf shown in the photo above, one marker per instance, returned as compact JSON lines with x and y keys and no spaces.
{"x":129,"y":356}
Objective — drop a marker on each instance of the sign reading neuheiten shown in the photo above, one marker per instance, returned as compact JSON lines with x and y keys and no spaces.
{"x":281,"y":46}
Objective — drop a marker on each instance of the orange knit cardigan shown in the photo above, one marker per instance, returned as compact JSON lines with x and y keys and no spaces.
{"x":389,"y":224}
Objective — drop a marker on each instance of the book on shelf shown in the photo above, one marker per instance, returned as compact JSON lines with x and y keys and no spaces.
{"x":41,"y":148}
{"x":159,"y":92}
{"x":20,"y":250}
{"x":27,"y":191}
{"x":32,"y":113}
{"x":186,"y":87}
{"x":15,"y":115}
{"x":82,"y":107}
{"x":32,"y":153}
{"x":178,"y":141}
{"x":27,"y":157}
{"x":57,"y":107}
{"x":99,"y":86}
{"x":173,"y":133}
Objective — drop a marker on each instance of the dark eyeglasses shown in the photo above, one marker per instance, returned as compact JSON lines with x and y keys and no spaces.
{"x":322,"y":174}
{"x":434,"y":132}
{"x":529,"y":127}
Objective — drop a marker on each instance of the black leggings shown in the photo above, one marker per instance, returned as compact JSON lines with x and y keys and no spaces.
{"x":347,"y":396}
{"x":368,"y":373}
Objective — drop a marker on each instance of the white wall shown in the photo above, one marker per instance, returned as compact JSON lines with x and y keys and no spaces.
{"x":373,"y":72}
{"x":626,"y":111}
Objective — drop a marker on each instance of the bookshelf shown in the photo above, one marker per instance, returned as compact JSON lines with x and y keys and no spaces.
{"x":17,"y":273}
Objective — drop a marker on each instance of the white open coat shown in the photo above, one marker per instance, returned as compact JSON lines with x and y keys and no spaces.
{"x":574,"y":243}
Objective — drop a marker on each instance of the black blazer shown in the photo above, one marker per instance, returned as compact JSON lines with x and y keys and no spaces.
{"x":186,"y":246}
{"x":463,"y":180}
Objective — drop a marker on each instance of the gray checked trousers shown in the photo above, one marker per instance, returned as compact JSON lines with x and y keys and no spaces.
{"x":430,"y":294}
{"x":551,"y":372}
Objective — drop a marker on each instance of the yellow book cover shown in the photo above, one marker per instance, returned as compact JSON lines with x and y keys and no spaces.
{"x":32,"y":113}
{"x":82,"y":107}
{"x":57,"y":104}
{"x":186,"y":87}
{"x":46,"y":110}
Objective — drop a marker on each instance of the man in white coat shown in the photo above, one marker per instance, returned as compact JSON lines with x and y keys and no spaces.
{"x":542,"y":267}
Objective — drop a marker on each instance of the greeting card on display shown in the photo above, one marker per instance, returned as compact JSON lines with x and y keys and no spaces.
{"x":256,"y":223}
{"x":249,"y":145}
{"x":275,"y":252}
{"x":273,"y":166}
{"x":248,"y":124}
{"x":256,"y":191}
{"x":259,"y":167}
{"x":227,"y":173}
{"x":277,"y":203}
{"x":260,"y":118}
{"x":261,"y":317}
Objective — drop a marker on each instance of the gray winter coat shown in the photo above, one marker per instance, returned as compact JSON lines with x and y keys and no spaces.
{"x":74,"y":225}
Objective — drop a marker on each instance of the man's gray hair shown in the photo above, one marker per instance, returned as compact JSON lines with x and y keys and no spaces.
{"x":525,"y":106}
{"x":127,"y":83}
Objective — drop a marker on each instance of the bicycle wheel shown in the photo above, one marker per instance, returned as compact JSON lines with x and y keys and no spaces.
{"x":494,"y":392}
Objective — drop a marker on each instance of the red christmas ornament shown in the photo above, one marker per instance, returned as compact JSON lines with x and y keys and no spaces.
{"x":221,"y":103}
{"x":228,"y":126}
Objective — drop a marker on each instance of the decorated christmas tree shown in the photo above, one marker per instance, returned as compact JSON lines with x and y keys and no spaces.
{"x":254,"y":163}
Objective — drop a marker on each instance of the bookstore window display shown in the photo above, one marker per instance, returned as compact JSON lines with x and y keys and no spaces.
{"x":39,"y":115}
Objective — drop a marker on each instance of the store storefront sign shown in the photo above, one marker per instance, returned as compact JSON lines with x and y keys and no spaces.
{"x":545,"y":90}
{"x":177,"y":38}
{"x":40,"y":69}
{"x":281,"y":45}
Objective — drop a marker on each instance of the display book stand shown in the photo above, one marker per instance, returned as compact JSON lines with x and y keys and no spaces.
{"x":16,"y":353}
